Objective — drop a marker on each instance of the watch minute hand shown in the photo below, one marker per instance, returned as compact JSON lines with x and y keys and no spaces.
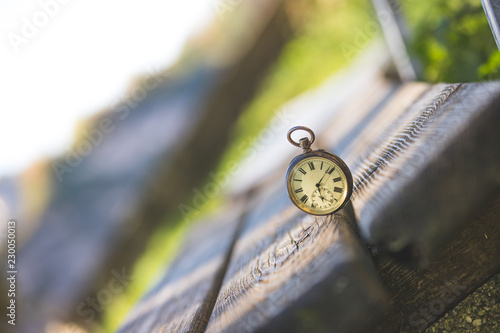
{"x":317,"y":185}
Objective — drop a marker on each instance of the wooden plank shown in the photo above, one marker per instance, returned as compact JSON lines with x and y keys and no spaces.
{"x":382,"y":148}
{"x":110,"y":202}
{"x":183,"y":300}
{"x":297,"y":273}
{"x":421,"y":296}
{"x":423,"y":183}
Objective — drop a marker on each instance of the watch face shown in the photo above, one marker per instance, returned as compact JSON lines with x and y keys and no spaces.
{"x":318,"y":184}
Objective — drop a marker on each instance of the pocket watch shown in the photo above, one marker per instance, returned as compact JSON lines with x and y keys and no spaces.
{"x":318,"y":182}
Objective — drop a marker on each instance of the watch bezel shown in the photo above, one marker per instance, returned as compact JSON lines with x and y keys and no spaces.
{"x":326,"y":155}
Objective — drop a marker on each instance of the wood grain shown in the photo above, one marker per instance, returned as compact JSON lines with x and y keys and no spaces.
{"x":183,"y":300}
{"x":421,"y":186}
{"x":421,"y":296}
{"x":297,"y":273}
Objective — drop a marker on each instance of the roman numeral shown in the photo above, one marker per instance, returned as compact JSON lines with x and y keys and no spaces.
{"x":311,"y":166}
{"x":337,"y":189}
{"x":302,"y":170}
{"x":330,"y":170}
{"x":298,"y":190}
{"x":321,"y":167}
{"x":304,"y":198}
{"x":337,"y":179}
{"x":298,"y":180}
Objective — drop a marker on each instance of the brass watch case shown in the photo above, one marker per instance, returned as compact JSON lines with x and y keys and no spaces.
{"x":346,"y":196}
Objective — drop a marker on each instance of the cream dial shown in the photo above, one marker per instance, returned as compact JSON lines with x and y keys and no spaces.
{"x":317,"y":185}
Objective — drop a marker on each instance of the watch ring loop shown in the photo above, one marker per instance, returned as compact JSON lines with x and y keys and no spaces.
{"x":296,"y":128}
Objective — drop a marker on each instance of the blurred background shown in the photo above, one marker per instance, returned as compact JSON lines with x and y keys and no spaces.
{"x":113,"y":113}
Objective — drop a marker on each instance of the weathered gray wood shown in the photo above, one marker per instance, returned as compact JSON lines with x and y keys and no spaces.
{"x":105,"y":209}
{"x":292,"y":272}
{"x":405,"y":144}
{"x":421,"y":296}
{"x":423,"y":183}
{"x":382,"y":148}
{"x":183,"y":300}
{"x":315,"y":254}
{"x":375,"y":146}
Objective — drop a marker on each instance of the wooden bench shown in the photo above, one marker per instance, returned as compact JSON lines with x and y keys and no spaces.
{"x":420,"y":234}
{"x":422,"y":231}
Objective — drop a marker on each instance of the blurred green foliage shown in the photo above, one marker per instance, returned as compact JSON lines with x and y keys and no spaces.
{"x":324,"y":43}
{"x":452,"y":40}
{"x":160,"y":251}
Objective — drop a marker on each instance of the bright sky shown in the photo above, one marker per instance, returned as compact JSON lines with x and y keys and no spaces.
{"x":60,"y":64}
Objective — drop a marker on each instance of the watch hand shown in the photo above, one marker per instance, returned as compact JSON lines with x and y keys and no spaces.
{"x":329,"y":173}
{"x":319,"y":191}
{"x":317,"y":185}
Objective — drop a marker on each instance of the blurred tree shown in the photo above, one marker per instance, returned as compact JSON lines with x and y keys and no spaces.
{"x":452,"y":40}
{"x":328,"y":36}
